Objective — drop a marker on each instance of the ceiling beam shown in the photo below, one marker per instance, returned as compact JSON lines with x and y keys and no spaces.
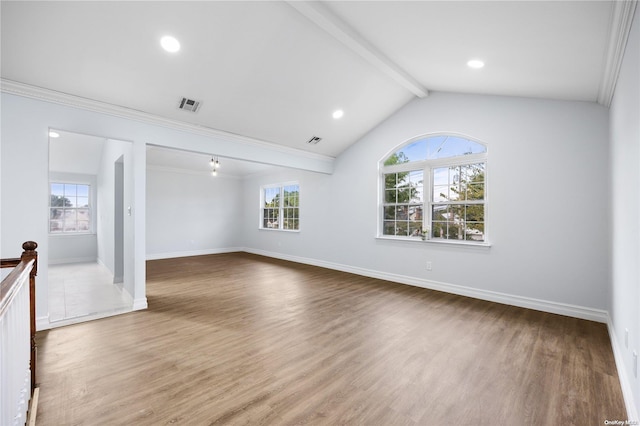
{"x":341,"y":31}
{"x":620,"y":27}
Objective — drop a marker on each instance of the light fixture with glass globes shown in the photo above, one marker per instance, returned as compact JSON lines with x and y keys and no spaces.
{"x":215,"y":165}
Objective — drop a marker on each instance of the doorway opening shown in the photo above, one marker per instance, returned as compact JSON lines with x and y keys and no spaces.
{"x":90,"y":192}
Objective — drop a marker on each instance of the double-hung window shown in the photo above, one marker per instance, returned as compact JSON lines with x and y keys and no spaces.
{"x":280,"y":207}
{"x":69,"y":208}
{"x":434,"y":187}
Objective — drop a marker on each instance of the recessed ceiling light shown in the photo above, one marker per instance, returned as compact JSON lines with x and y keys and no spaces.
{"x":475,"y":63}
{"x":338,"y":114}
{"x":53,"y":134}
{"x":170,"y":44}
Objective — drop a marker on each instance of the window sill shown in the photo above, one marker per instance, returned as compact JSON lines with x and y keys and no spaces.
{"x":295,"y":231}
{"x":481,"y":245}
{"x":70,"y":234}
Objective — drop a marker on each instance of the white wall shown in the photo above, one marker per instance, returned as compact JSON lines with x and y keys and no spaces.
{"x":625,"y":203}
{"x":111,"y":152}
{"x":547,"y":212}
{"x":191,"y":214}
{"x":25,"y":124}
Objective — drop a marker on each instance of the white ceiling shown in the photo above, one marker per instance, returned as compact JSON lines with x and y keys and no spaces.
{"x":65,"y":150}
{"x":275,"y":71}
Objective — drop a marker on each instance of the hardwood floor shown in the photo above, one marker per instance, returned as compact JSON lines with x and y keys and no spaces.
{"x":242,"y":339}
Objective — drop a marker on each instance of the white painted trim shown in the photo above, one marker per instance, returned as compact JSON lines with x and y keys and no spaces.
{"x":491,"y":296}
{"x":619,"y":29}
{"x":128,"y":298}
{"x":140,"y":304}
{"x":171,"y":255}
{"x":47,"y":95}
{"x":341,"y":31}
{"x":87,"y":318}
{"x":42,"y":323}
{"x":73,"y":260}
{"x":627,"y":389}
{"x":191,"y":172}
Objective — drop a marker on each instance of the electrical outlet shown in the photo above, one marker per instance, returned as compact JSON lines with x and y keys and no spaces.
{"x":626,"y":338}
{"x":428,"y":266}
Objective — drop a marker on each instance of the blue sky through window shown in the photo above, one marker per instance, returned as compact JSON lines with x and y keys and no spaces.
{"x":434,"y":147}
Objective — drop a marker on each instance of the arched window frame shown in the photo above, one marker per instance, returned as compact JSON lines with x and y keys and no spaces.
{"x":427,"y":168}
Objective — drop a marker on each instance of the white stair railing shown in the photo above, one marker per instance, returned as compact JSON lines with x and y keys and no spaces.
{"x":15,"y":348}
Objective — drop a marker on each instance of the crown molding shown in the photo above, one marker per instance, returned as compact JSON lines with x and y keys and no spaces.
{"x":619,"y":29}
{"x":48,"y":95}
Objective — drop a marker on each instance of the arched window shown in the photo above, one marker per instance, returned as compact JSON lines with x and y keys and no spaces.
{"x":434,"y":187}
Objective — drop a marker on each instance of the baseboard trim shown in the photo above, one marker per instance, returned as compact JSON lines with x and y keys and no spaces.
{"x":72,"y":260}
{"x":491,"y":296}
{"x":140,"y":304}
{"x":171,"y":255}
{"x":625,"y":384}
{"x":42,"y":323}
{"x":126,"y":296}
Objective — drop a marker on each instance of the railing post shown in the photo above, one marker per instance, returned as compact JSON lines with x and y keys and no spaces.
{"x":29,"y":253}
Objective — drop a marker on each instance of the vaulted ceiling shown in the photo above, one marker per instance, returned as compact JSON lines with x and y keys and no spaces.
{"x":276,"y":71}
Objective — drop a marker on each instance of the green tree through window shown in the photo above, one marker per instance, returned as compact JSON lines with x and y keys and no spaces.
{"x":281,"y":207}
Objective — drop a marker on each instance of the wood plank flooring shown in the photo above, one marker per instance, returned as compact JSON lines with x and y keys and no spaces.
{"x":242,"y":339}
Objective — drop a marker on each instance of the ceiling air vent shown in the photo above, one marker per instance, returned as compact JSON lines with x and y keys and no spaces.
{"x":189,"y":105}
{"x":314,"y":140}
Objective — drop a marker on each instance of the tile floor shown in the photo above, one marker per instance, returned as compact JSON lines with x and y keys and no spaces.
{"x":80,"y":290}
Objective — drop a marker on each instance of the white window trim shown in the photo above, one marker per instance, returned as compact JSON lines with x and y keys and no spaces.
{"x":427,"y":167}
{"x":92,"y":208}
{"x":281,"y":208}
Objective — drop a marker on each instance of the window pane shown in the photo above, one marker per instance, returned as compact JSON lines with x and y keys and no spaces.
{"x":291,"y":193}
{"x":440,"y":212}
{"x":272,"y":197}
{"x":83,"y":214}
{"x":474,"y":213}
{"x":402,"y":213}
{"x":441,"y":176}
{"x":415,"y":229}
{"x":390,"y":196}
{"x":83,"y":226}
{"x":415,"y":182}
{"x":415,"y":151}
{"x":70,"y":190}
{"x":59,"y":201}
{"x":390,"y":181}
{"x":82,"y":202}
{"x":415,"y":213}
{"x":452,"y":146}
{"x":389,"y":212}
{"x":475,"y":191}
{"x":57,"y":189}
{"x":56,"y":213}
{"x":388,"y":227}
{"x":474,"y":231}
{"x":83,"y":190}
{"x":402,"y":229}
{"x":441,"y":193}
{"x":55,"y":226}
